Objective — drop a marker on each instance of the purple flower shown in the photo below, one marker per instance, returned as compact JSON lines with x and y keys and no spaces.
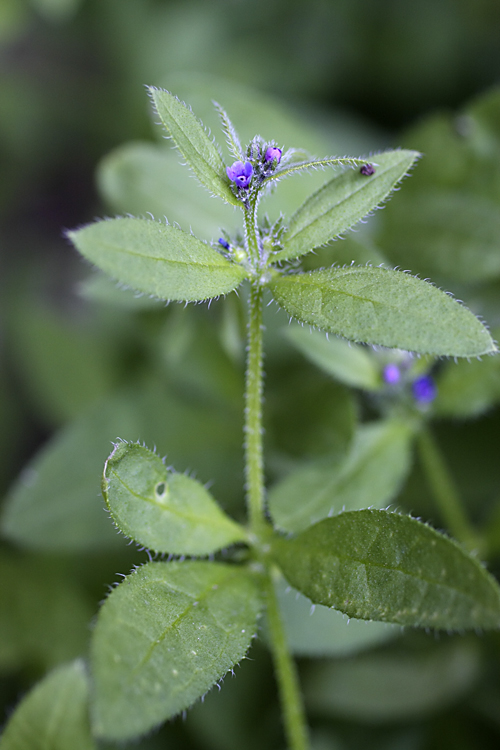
{"x":273,"y":153}
{"x":367,"y":170}
{"x":240,"y":173}
{"x":392,"y":374}
{"x":424,"y":389}
{"x":224,"y":243}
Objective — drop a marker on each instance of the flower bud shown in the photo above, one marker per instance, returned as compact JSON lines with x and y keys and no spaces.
{"x":272,"y":153}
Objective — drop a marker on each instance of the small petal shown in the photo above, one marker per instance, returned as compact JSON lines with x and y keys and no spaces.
{"x":424,"y":389}
{"x":273,"y":153}
{"x":392,"y":374}
{"x":240,"y":173}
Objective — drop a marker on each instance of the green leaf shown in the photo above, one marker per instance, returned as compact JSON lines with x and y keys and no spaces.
{"x":157,"y":259}
{"x":377,"y":565}
{"x":54,"y":714}
{"x":468,"y":389}
{"x":347,"y":363}
{"x":164,"y":636}
{"x":394,"y":686}
{"x":140,"y":178}
{"x":44,"y":615}
{"x":380,"y":306}
{"x":317,"y":631}
{"x":164,"y":511}
{"x":196,"y":147}
{"x":445,"y":234}
{"x":369,"y":476}
{"x":56,"y":504}
{"x":342,"y":202}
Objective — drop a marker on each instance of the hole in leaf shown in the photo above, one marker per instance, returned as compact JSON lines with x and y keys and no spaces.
{"x":160,"y":488}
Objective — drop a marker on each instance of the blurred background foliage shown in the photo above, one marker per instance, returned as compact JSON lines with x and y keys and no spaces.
{"x":82,"y":362}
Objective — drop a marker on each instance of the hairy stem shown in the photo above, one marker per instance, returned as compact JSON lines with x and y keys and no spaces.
{"x":286,"y":674}
{"x":445,"y":491}
{"x":254,"y":461}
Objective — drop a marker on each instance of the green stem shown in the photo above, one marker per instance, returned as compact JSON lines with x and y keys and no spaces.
{"x":254,"y":461}
{"x":286,"y":674}
{"x":444,"y":490}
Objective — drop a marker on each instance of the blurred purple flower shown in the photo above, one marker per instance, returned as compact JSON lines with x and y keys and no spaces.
{"x":424,"y":389}
{"x":392,"y":374}
{"x":273,"y":152}
{"x":367,"y":170}
{"x":240,"y":173}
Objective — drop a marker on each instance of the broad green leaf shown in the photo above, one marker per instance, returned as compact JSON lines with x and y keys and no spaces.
{"x":140,"y":178}
{"x":342,"y":202}
{"x":445,"y":234}
{"x":164,"y":636}
{"x":44,"y":615}
{"x":370,"y":475}
{"x":376,"y":565}
{"x":55,"y":504}
{"x":380,"y":306}
{"x":198,"y":149}
{"x":317,"y":631}
{"x":347,"y":363}
{"x":164,"y":511}
{"x":53,"y":715}
{"x":467,"y":389}
{"x":157,"y":259}
{"x":305,"y":166}
{"x":394,"y":686}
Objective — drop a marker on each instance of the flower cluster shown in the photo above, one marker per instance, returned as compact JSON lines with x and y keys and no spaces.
{"x":242,"y":173}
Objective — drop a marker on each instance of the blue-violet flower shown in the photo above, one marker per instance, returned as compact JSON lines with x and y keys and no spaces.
{"x":392,"y":374}
{"x":424,"y":389}
{"x":273,"y":152}
{"x":240,"y":173}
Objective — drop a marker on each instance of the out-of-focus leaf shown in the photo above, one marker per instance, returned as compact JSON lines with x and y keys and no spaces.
{"x":44,"y":617}
{"x":101,"y":289}
{"x":376,"y":565}
{"x":57,"y":10}
{"x":141,"y":178}
{"x":348,"y":363}
{"x":370,"y":475}
{"x":342,"y":202}
{"x":344,"y":251}
{"x":56,"y":503}
{"x":192,"y":140}
{"x":445,"y":234}
{"x":317,"y":631}
{"x":163,"y":510}
{"x":393,"y":686}
{"x":164,"y":637}
{"x":54,"y":714}
{"x":157,"y":259}
{"x":468,"y":389}
{"x":380,"y":306}
{"x":66,"y":367}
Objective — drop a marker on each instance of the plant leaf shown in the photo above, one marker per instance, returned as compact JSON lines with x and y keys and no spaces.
{"x":316,"y":631}
{"x":157,"y":259}
{"x":342,"y":202}
{"x":383,"y":687}
{"x":347,"y":363}
{"x":468,"y":389}
{"x":369,"y":476}
{"x":164,"y":511}
{"x":53,"y":715}
{"x":193,"y":142}
{"x":381,"y":306}
{"x":164,"y":636}
{"x":377,"y":565}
